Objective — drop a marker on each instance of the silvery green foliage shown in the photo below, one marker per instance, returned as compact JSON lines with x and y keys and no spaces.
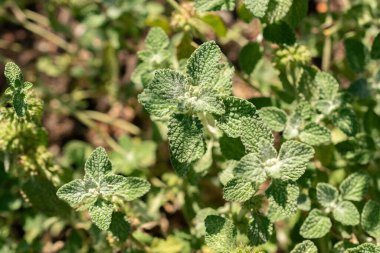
{"x":220,"y":234}
{"x":364,"y":248}
{"x":214,"y":5}
{"x":305,"y":247}
{"x":316,"y":225}
{"x":99,"y":186}
{"x":370,"y":219}
{"x":17,"y":88}
{"x":269,"y":10}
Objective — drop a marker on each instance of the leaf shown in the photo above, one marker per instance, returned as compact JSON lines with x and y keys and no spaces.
{"x":98,"y":165}
{"x":232,"y":148}
{"x":254,"y":131}
{"x":204,"y":100}
{"x":370,"y":220}
{"x":354,"y":187}
{"x":305,"y":247}
{"x":346,"y":213}
{"x":128,"y":188}
{"x":279,"y":33}
{"x":186,"y":138}
{"x":249,"y":56}
{"x":297,"y":12}
{"x":163,"y":95}
{"x":214,"y":5}
{"x":101,"y":214}
{"x":236,"y":110}
{"x":327,"y":84}
{"x":181,"y":168}
{"x":77,"y":193}
{"x":316,"y":225}
{"x":216,"y":22}
{"x":364,"y":248}
{"x":375,"y":50}
{"x":12,"y":73}
{"x":282,"y":199}
{"x":238,"y":190}
{"x":19,"y":104}
{"x":220,"y":234}
{"x":120,"y":227}
{"x":314,"y":134}
{"x":260,"y":230}
{"x":327,"y":195}
{"x":269,"y":10}
{"x":345,"y":120}
{"x":356,"y":54}
{"x":157,"y":39}
{"x":274,"y":118}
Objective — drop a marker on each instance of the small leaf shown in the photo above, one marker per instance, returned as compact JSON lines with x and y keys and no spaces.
{"x":327,"y":195}
{"x":269,"y":10}
{"x":327,"y":84}
{"x":12,"y":73}
{"x":128,"y":188}
{"x":316,"y":225}
{"x":354,"y":187}
{"x":274,"y":118}
{"x":101,"y":214}
{"x":260,"y":230}
{"x":305,"y":247}
{"x":249,"y":56}
{"x":120,"y":227}
{"x":371,"y":218}
{"x":98,"y":165}
{"x":157,"y":39}
{"x":280,"y":33}
{"x":239,"y":190}
{"x":76,"y":193}
{"x":220,"y":234}
{"x":345,"y":120}
{"x":254,"y":131}
{"x":364,"y":248}
{"x":356,"y":54}
{"x":214,"y":5}
{"x":19,"y":104}
{"x":346,"y":213}
{"x":314,"y":134}
{"x":375,"y":50}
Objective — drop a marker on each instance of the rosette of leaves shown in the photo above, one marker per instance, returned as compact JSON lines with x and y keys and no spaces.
{"x":338,"y":203}
{"x":99,"y":188}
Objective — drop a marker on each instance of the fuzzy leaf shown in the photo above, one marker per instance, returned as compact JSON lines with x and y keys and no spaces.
{"x":157,"y":39}
{"x":364,"y":248}
{"x":214,"y":5}
{"x":327,"y":84}
{"x":354,"y":187}
{"x":186,"y":138}
{"x":19,"y":103}
{"x":274,"y":118}
{"x":269,"y":10}
{"x":327,"y":195}
{"x":314,"y":134}
{"x":101,"y":214}
{"x":282,"y":199}
{"x":220,"y":234}
{"x":316,"y":225}
{"x":371,"y":218}
{"x":305,"y":247}
{"x":97,"y":166}
{"x":129,"y":188}
{"x":346,"y":213}
{"x":239,"y":190}
{"x":253,"y":132}
{"x":12,"y":73}
{"x":120,"y":227}
{"x":76,"y":193}
{"x":345,"y":120}
{"x":260,"y":230}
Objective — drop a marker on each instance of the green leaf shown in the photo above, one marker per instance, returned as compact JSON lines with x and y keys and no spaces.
{"x":12,"y":73}
{"x":354,"y":187}
{"x":254,"y":131}
{"x":282,"y":199}
{"x":345,"y":120}
{"x":19,"y":104}
{"x":232,"y":148}
{"x":77,"y":193}
{"x":260,"y":230}
{"x":327,"y":84}
{"x":269,"y":10}
{"x":128,"y":188}
{"x":236,"y":110}
{"x":371,"y":218}
{"x":346,"y":213}
{"x":220,"y":234}
{"x":305,"y":247}
{"x":249,"y":56}
{"x":314,"y":134}
{"x":120,"y":227}
{"x":297,"y":12}
{"x":356,"y":54}
{"x":97,"y":166}
{"x":364,"y":248}
{"x":164,"y":94}
{"x":216,"y":22}
{"x":316,"y":225}
{"x":280,"y":33}
{"x":214,"y":5}
{"x":186,"y":138}
{"x":274,"y":118}
{"x":181,"y":168}
{"x":375,"y":50}
{"x":157,"y":39}
{"x":327,"y":195}
{"x":101,"y":214}
{"x":239,"y":190}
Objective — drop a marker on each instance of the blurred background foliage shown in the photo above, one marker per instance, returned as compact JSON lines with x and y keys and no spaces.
{"x":82,"y":57}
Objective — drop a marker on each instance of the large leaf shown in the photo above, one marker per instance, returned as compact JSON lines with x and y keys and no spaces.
{"x":354,"y":186}
{"x":346,"y":213}
{"x":101,"y":214}
{"x":316,"y":225}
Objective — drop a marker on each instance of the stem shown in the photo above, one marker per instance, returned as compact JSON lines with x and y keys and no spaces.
{"x":175,"y":6}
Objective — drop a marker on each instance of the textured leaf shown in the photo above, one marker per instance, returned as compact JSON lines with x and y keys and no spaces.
{"x":327,"y":195}
{"x":77,"y":192}
{"x":274,"y":118}
{"x":101,"y":214}
{"x":220,"y":234}
{"x":19,"y":104}
{"x":282,"y":199}
{"x":120,"y":227}
{"x":222,"y":82}
{"x":186,"y":138}
{"x":280,"y":33}
{"x":297,"y":12}
{"x":249,"y":56}
{"x":181,"y":168}
{"x":345,"y":120}
{"x":12,"y":73}
{"x":260,"y":230}
{"x":305,"y":247}
{"x":314,"y":134}
{"x":269,"y":10}
{"x":163,"y":95}
{"x":316,"y":225}
{"x":239,"y":190}
{"x":375,"y":50}
{"x":236,"y":110}
{"x":356,"y":54}
{"x":364,"y":248}
{"x":129,"y":188}
{"x":214,"y":5}
{"x":327,"y":84}
{"x":354,"y":187}
{"x":98,"y":165}
{"x":253,"y":132}
{"x":371,"y":218}
{"x":157,"y":39}
{"x":204,"y":100}
{"x":346,"y":213}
